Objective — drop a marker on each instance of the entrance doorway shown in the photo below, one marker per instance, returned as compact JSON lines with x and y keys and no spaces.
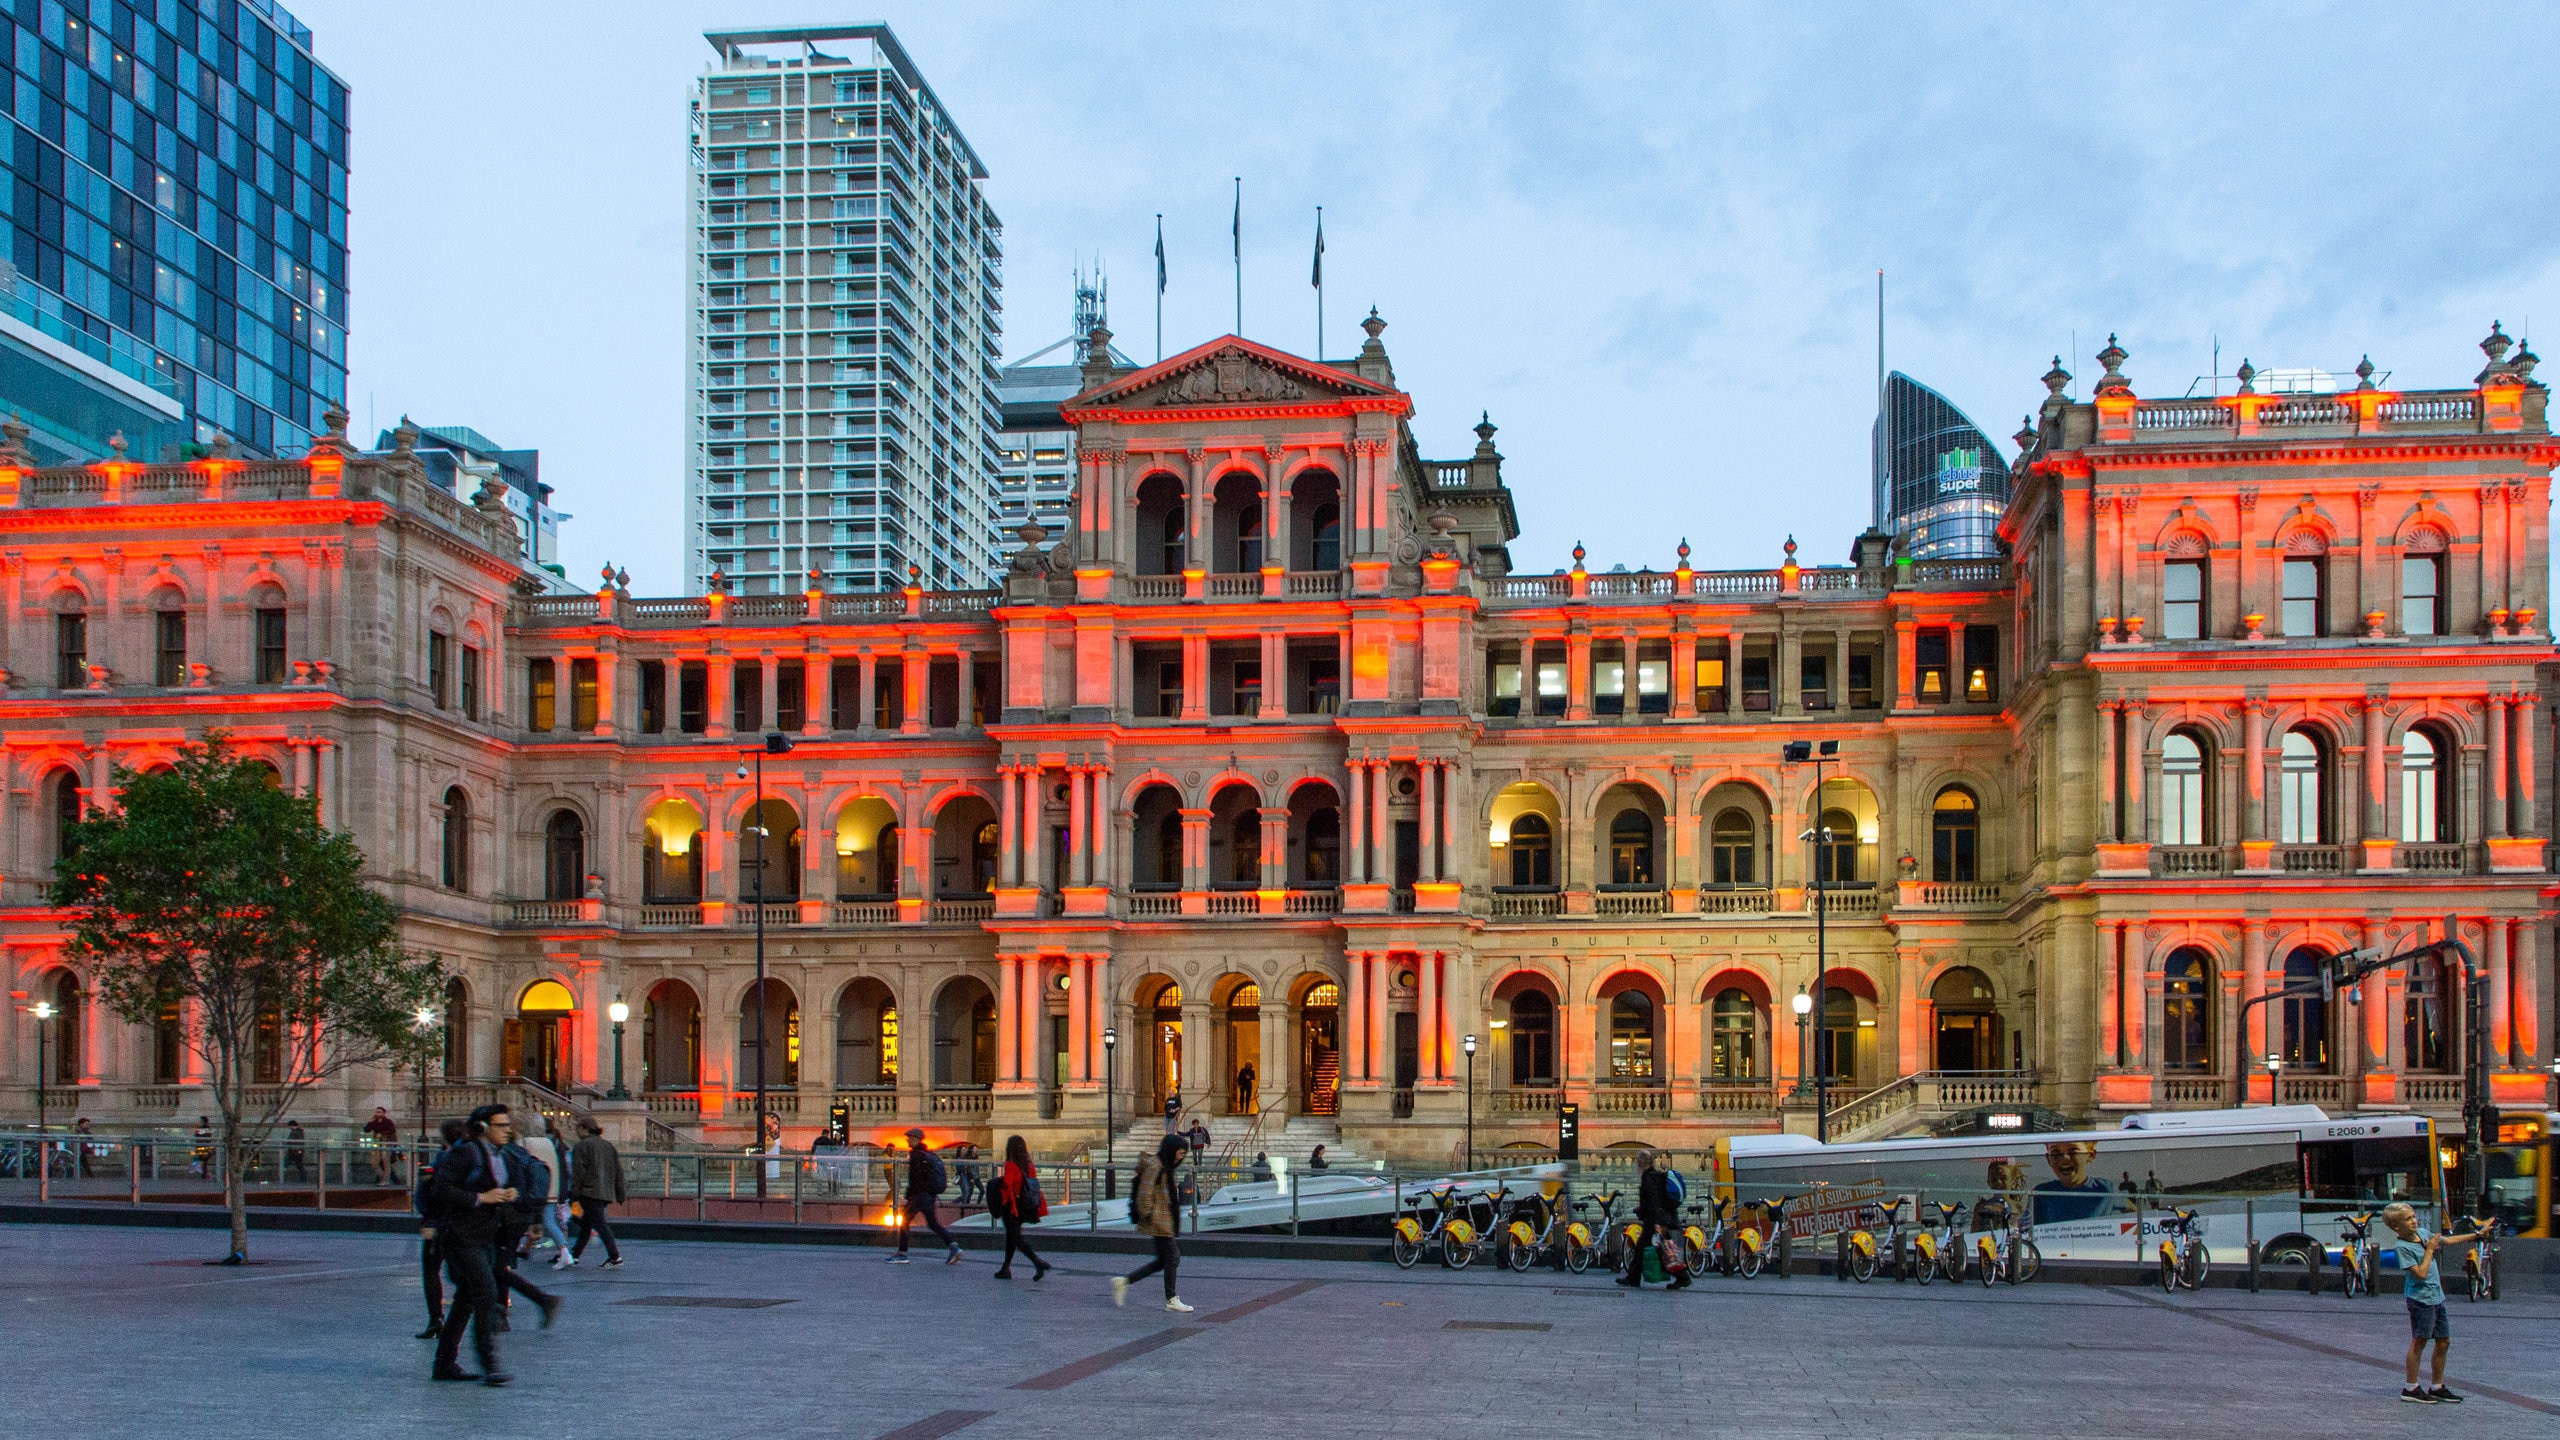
{"x":1244,"y":1049}
{"x":535,"y":1043}
{"x":1968,"y":1021}
{"x":1408,"y":1049}
{"x":1319,"y":1049}
{"x":1167,"y":1077}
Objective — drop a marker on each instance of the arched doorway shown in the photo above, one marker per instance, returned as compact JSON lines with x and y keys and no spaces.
{"x":1532,"y":1027}
{"x":671,"y":1038}
{"x":670,"y":844}
{"x":866,"y":1036}
{"x":964,"y":1035}
{"x":781,"y":1035}
{"x":769,"y":853}
{"x":536,"y":1046}
{"x":1968,"y":1021}
{"x":69,"y":1026}
{"x":1630,"y":1038}
{"x":564,"y":856}
{"x":1242,"y":1015}
{"x":1162,"y":1053}
{"x":1320,"y":1048}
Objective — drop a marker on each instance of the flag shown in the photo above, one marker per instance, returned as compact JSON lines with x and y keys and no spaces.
{"x":1235,"y":227}
{"x":1317,"y":279}
{"x":1159,"y":254}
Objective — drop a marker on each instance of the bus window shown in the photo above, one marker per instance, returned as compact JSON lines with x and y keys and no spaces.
{"x":2392,"y":1169}
{"x":2515,"y":1184}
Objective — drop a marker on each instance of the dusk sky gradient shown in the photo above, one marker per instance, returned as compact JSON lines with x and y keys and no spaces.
{"x":1644,"y":238}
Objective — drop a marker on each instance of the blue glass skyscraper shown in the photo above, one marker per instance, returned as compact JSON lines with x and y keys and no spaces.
{"x":176,"y":211}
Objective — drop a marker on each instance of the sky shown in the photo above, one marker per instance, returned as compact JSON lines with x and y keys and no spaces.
{"x":1644,"y":239}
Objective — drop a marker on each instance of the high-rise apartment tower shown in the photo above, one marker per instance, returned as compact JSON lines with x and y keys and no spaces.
{"x":175,"y":206}
{"x":841,"y":319}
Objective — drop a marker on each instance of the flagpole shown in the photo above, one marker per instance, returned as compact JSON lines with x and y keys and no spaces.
{"x":1159,"y":287}
{"x":1236,"y":234}
{"x":1319,"y":284}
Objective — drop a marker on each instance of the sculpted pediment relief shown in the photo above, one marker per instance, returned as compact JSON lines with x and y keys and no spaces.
{"x":1230,"y":377}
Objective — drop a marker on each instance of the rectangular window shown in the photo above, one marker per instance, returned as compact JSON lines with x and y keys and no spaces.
{"x":582,"y":695}
{"x":440,"y":669}
{"x":1502,"y":681}
{"x":2182,"y":600}
{"x":844,"y":695}
{"x":1813,"y":674}
{"x":693,"y":692}
{"x":2306,"y":594}
{"x":1755,"y":682}
{"x":1707,"y":687}
{"x":790,"y":694}
{"x":271,"y":655}
{"x":1862,"y":680}
{"x":888,"y":694}
{"x":1929,"y":666}
{"x":986,"y":698}
{"x":1246,"y":685}
{"x":542,"y":695}
{"x":942,"y":693}
{"x":1554,"y":688}
{"x":169,"y":655}
{"x":746,"y":697}
{"x":471,"y":681}
{"x":1981,"y":662}
{"x":1608,"y":680}
{"x":653,"y":697}
{"x":1168,"y":689}
{"x":2422,"y":595}
{"x":1653,"y":684}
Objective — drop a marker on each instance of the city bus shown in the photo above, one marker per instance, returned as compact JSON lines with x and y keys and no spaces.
{"x":2277,"y":1174}
{"x":2519,"y":1159}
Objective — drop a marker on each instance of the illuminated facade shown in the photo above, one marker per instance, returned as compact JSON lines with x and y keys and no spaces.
{"x":1272,"y":760}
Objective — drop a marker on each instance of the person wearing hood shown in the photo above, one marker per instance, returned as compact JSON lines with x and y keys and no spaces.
{"x":1151,"y":1209}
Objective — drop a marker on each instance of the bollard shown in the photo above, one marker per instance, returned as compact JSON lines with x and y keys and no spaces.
{"x":322,"y":1194}
{"x":1840,"y":1256}
{"x":700,"y":1209}
{"x":44,"y":1172}
{"x":133,"y":1158}
{"x":1293,"y":1202}
{"x":796,"y":1167}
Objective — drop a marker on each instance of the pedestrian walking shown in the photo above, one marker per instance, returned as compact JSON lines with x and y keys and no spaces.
{"x":1015,"y":1199}
{"x":532,"y":1180}
{"x":430,"y":1256}
{"x":965,"y":1156}
{"x":296,"y":1159}
{"x":2422,"y":1288}
{"x":381,"y":1132}
{"x":466,"y":1199}
{"x":1173,"y":1114}
{"x":1151,"y":1209}
{"x":926,"y":1180}
{"x":548,"y":1147}
{"x":1244,"y":1089}
{"x":1199,"y":1138}
{"x":200,"y":1161}
{"x":1659,"y":1215}
{"x":595,"y":1181}
{"x":1316,"y":1161}
{"x":82,"y":1129}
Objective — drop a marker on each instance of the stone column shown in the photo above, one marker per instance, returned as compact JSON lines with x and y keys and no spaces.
{"x":1035,"y":1015}
{"x":1195,"y":849}
{"x":1008,"y":1018}
{"x":2376,"y":775}
{"x":1577,"y":675}
{"x":2110,"y":771}
{"x":1354,"y":1021}
{"x":1100,"y":819}
{"x":1275,"y":848}
{"x":2501,"y":1021}
{"x":605,"y":680}
{"x":1426,"y":1014}
{"x":1429,"y":868}
{"x":2526,"y":975}
{"x":2528,"y":814}
{"x":1909,"y":1042}
{"x":1079,"y":846}
{"x":1382,"y":869}
{"x":1099,"y":1019}
{"x":1195,"y":677}
{"x":2496,"y":718}
{"x":1733,"y":673}
{"x":1684,"y":675}
{"x":2110,"y":996}
{"x":869,"y":691}
{"x":1355,"y":805}
{"x":1009,"y":818}
{"x":2138,"y":982}
{"x":817,"y":692}
{"x":915,"y":674}
{"x":2253,"y":983}
{"x":968,"y":673}
{"x":2253,"y":804}
{"x":1382,"y":1050}
{"x":719,"y":675}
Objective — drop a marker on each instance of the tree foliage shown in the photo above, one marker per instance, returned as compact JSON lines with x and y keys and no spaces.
{"x":209,"y":889}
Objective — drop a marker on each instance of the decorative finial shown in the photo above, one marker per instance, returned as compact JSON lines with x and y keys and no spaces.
{"x":1032,"y":532}
{"x":2113,"y":382}
{"x":219,"y":447}
{"x":622,"y":581}
{"x":2026,"y":436}
{"x":1791,"y":549}
{"x":2248,"y":374}
{"x":915,"y":573}
{"x":404,"y":436}
{"x":1684,"y":552}
{"x":719,"y":581}
{"x":2495,"y":347}
{"x":335,"y":418}
{"x":1373,"y":325}
{"x":607,"y":577}
{"x":1577,"y":554}
{"x":2056,"y":378}
{"x":816,"y":580}
{"x":2364,"y":373}
{"x":116,"y":442}
{"x":2525,"y":361}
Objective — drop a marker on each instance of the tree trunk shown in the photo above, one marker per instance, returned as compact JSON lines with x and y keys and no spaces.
{"x":233,"y":1195}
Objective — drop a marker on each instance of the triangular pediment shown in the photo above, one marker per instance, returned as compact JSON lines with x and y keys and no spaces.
{"x":1229,"y":371}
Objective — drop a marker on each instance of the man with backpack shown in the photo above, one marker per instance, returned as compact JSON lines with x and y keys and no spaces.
{"x":516,"y":1220}
{"x":926,"y":1180}
{"x":466,"y":1197}
{"x":1014,"y":1197}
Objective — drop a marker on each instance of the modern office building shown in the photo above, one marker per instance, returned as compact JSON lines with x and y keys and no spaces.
{"x":460,"y":460}
{"x":1036,"y":448}
{"x":842,"y":320}
{"x":1940,"y":483}
{"x":1272,"y":763}
{"x":176,"y":204}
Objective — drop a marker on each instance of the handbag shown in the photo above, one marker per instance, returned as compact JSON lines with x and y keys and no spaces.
{"x":1675,"y":1256}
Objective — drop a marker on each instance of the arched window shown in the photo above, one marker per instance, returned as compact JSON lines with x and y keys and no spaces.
{"x":66,"y":814}
{"x":70,"y":1028}
{"x":1174,"y":546}
{"x":1324,"y":847}
{"x":1533,"y":1038}
{"x":1328,"y":537}
{"x":457,"y":840}
{"x":1169,"y":851}
{"x":1835,"y":850}
{"x":781,"y":1035}
{"x":457,"y":1028}
{"x":982,"y":1045}
{"x":1631,"y":1036}
{"x":1244,"y":847}
{"x":1733,"y":1050}
{"x":2424,"y":817}
{"x":2306,"y":1017}
{"x":671,"y":1038}
{"x":2186,"y":800}
{"x":2422,"y":1034}
{"x":564,"y":856}
{"x":2301,"y":797}
{"x":1953,"y":829}
{"x":2186,"y":1012}
{"x":671,"y":839}
{"x":1836,"y":1048}
{"x":2422,"y":608}
{"x":983,"y":856}
{"x":1631,"y":849}
{"x":1533,"y":852}
{"x":1249,"y":537}
{"x":1734,"y":839}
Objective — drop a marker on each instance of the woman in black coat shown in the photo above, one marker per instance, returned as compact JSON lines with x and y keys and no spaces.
{"x":1657,"y":1212}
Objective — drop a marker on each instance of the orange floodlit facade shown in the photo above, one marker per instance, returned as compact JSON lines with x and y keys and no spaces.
{"x":1273,"y":771}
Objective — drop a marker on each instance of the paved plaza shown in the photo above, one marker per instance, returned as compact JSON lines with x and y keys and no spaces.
{"x":123,"y":1331}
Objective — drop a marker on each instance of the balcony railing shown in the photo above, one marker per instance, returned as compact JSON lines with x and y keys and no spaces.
{"x":868,"y":1099}
{"x":963,"y":1101}
{"x":964,"y":911}
{"x":865,"y":912}
{"x":1737,"y":1097}
{"x":2430,"y":1089}
{"x":1630,"y":902}
{"x":1154,"y":904}
{"x":785,"y":913}
{"x":2312,"y":859}
{"x":1526,"y":905}
{"x":2183,"y":1091}
{"x":1963,"y":895}
{"x":1528,"y":1100}
{"x":1850,"y":902}
{"x":1614,"y":1097}
{"x":2430,"y":859}
{"x":670,"y":917}
{"x":2190,"y":860}
{"x":1736,"y":902}
{"x":1312,"y":902}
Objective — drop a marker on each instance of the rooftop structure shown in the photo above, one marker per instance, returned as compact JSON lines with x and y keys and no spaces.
{"x":1940,"y":484}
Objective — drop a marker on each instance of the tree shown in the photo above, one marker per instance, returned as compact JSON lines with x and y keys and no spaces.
{"x":208,"y":888}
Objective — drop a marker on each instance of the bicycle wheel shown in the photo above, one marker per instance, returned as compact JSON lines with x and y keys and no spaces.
{"x":2169,"y":1273}
{"x":1928,"y":1267}
{"x":1457,"y":1256}
{"x":2479,"y":1283}
{"x":2198,"y":1259}
{"x":1750,"y":1266}
{"x":2026,"y":1262}
{"x":1521,"y":1257}
{"x":1577,"y":1256}
{"x":1988,"y":1262}
{"x":1406,"y":1252}
{"x":1862,"y":1265}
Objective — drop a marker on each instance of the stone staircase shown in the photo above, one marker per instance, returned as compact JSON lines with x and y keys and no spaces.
{"x":1293,"y":1137}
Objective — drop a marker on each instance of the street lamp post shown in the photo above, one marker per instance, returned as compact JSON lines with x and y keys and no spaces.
{"x":422,"y":1023}
{"x":775,"y":743}
{"x":1469,"y":1045}
{"x":43,"y":1011}
{"x":621,"y":1012}
{"x":2275,"y":1081}
{"x":1817,"y":752}
{"x":1110,"y":1083}
{"x":1803,"y":1006}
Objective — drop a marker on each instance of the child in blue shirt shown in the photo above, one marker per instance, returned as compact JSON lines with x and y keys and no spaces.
{"x":2423,"y":1288}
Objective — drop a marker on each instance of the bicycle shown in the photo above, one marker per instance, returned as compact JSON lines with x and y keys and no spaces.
{"x":1465,"y":1243}
{"x":1858,"y":1244}
{"x":1617,"y":1241}
{"x":1755,"y":1250}
{"x":2355,"y":1254}
{"x":2480,"y":1261}
{"x":1942,"y":1251}
{"x":2183,"y":1257}
{"x":1412,"y":1240}
{"x":1710,"y":1246}
{"x":1550,"y":1235}
{"x":2017,"y":1262}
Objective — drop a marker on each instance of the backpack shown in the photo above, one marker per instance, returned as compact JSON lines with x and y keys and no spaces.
{"x":925,"y":1174}
{"x":532,"y":1180}
{"x":1679,"y":1187}
{"x":1026,"y":1202}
